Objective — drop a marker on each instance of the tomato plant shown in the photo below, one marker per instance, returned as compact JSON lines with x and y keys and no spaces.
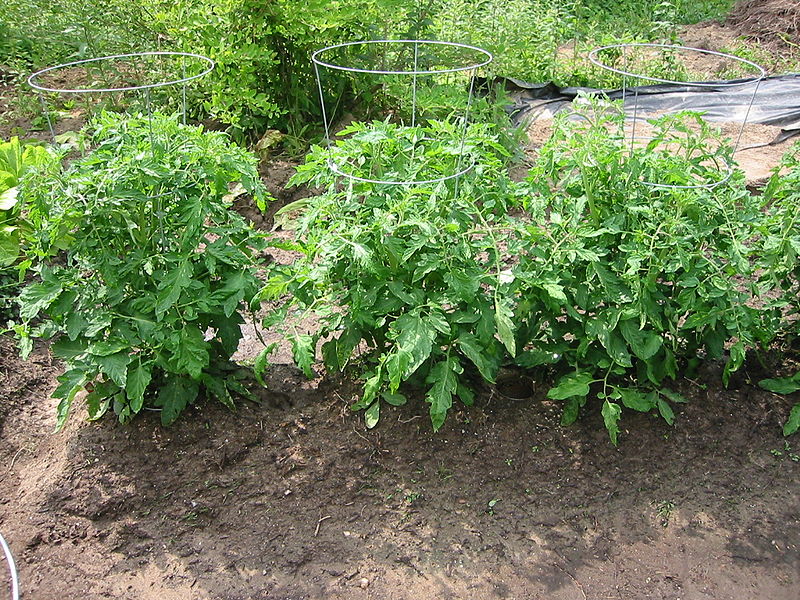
{"x":145,"y":310}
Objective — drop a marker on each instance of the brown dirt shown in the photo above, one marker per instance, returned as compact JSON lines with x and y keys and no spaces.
{"x":301,"y":502}
{"x":776,"y":22}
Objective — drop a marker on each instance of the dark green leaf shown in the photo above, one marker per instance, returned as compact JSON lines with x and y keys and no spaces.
{"x":137,"y":381}
{"x":785,"y":385}
{"x":115,"y":366}
{"x":191,"y":355}
{"x":394,"y":399}
{"x":645,"y":344}
{"x":472,"y":349}
{"x":666,"y":411}
{"x":443,"y":376}
{"x":174,"y":396}
{"x":636,"y":400}
{"x":215,"y":386}
{"x":171,"y":287}
{"x":573,"y":384}
{"x":570,"y":412}
{"x":793,"y":422}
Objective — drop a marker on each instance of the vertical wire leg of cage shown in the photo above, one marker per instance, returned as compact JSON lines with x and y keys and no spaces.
{"x":46,"y":112}
{"x":325,"y":123}
{"x":183,"y":88}
{"x":414,"y":86}
{"x":635,"y":118}
{"x":464,"y":132}
{"x":747,"y":115}
{"x":12,"y":568}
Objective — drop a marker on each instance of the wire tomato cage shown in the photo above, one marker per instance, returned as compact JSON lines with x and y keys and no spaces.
{"x":141,"y":72}
{"x":419,"y":81}
{"x":671,"y":64}
{"x":12,"y":568}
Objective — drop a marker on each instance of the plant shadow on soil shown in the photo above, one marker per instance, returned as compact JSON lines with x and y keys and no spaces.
{"x":302,"y":502}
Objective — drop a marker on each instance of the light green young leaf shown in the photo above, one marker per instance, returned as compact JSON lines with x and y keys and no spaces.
{"x":37,"y":297}
{"x":555,"y":291}
{"x":611,"y":416}
{"x":70,"y":383}
{"x":505,"y":327}
{"x":303,"y":353}
{"x":793,"y":422}
{"x":415,"y":337}
{"x":373,"y":414}
{"x":262,"y":363}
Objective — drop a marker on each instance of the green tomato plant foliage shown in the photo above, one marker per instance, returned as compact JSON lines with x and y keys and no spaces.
{"x":18,"y":161}
{"x":780,"y":266}
{"x":614,"y":284}
{"x":409,"y":283}
{"x":145,"y":308}
{"x":628,"y":284}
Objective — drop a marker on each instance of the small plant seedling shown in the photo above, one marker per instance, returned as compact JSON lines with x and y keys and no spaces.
{"x":491,"y":504}
{"x":664,"y":510}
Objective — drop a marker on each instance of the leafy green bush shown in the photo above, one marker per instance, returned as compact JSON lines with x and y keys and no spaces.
{"x":628,"y":284}
{"x":39,"y":33}
{"x":409,"y":282}
{"x":779,"y":265}
{"x":145,"y":309}
{"x":264,"y":75}
{"x":16,"y":162}
{"x":615,"y":284}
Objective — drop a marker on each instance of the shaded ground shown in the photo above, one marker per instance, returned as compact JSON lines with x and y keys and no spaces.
{"x":301,"y":502}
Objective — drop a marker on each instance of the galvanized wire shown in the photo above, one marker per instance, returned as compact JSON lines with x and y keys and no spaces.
{"x":319,"y":59}
{"x":12,"y":567}
{"x":755,"y":81}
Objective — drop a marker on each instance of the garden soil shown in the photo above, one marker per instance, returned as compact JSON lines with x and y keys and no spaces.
{"x":294,"y":499}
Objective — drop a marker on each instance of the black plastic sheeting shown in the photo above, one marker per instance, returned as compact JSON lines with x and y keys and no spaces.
{"x":776,"y":103}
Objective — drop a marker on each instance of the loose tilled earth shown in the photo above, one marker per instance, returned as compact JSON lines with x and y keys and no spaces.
{"x":294,"y":499}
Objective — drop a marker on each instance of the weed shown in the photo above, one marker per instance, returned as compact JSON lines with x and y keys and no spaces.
{"x":664,"y":509}
{"x":490,"y":506}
